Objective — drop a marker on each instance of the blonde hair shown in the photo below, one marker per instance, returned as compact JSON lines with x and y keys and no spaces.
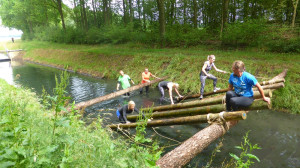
{"x":176,"y":85}
{"x":210,"y":57}
{"x":238,"y":65}
{"x":131,"y":102}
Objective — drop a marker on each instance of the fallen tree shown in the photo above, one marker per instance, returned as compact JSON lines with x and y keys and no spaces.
{"x":223,"y":116}
{"x":256,"y":105}
{"x":85,"y":104}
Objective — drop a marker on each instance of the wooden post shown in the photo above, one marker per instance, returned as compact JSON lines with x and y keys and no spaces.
{"x":256,"y":105}
{"x":227,"y":116}
{"x":204,"y":102}
{"x":85,"y":104}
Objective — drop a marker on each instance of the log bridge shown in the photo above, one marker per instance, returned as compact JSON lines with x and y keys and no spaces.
{"x":7,"y":53}
{"x":209,"y":110}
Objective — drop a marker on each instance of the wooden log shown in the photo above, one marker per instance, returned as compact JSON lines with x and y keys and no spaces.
{"x":228,"y":116}
{"x":184,"y":153}
{"x":272,"y":82}
{"x":85,"y":104}
{"x":204,"y":102}
{"x":256,"y":105}
{"x":273,"y":86}
{"x":194,"y":145}
{"x":279,"y":76}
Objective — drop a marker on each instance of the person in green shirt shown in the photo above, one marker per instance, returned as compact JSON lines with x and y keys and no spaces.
{"x":123,"y":80}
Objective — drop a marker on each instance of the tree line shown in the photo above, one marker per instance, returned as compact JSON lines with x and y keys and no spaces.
{"x":148,"y":21}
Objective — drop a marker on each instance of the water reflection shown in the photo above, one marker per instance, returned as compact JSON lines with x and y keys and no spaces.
{"x":6,"y":71}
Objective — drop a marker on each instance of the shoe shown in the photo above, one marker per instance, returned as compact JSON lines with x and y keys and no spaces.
{"x":201,"y":97}
{"x":216,"y":89}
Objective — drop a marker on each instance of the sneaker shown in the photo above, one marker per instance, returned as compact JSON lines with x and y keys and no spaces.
{"x":201,"y":97}
{"x":216,"y":89}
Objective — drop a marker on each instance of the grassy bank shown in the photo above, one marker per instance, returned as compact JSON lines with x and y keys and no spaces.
{"x":182,"y":65}
{"x":32,"y":136}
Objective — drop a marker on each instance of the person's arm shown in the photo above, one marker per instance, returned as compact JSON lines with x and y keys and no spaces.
{"x":230,"y":87}
{"x":118,"y":85}
{"x":218,"y":70}
{"x":203,"y":69}
{"x":260,"y":89}
{"x":154,"y":76}
{"x":125,"y":108}
{"x":132,"y":81}
{"x":170,"y":92}
{"x":176,"y":90}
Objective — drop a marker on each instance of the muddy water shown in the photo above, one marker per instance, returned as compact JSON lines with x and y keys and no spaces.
{"x":277,"y":133}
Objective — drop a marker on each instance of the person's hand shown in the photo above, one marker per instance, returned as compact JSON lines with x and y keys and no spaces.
{"x":128,"y":122}
{"x":180,"y":96}
{"x":225,"y":72}
{"x":267,"y":99}
{"x":149,"y":120}
{"x":208,"y":75}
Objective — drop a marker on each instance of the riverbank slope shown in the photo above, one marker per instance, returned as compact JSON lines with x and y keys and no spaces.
{"x":182,"y":65}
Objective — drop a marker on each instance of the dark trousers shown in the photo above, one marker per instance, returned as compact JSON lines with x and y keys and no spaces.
{"x":202,"y":80}
{"x":162,"y":93}
{"x":147,"y":89}
{"x":235,"y":101}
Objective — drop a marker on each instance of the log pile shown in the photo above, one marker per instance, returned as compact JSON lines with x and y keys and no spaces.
{"x":184,"y":153}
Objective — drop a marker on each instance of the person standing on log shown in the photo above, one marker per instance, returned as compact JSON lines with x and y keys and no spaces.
{"x":146,"y":78}
{"x":242,"y":82}
{"x":126,"y":109}
{"x":123,"y":80}
{"x":169,"y":86}
{"x":208,"y":65}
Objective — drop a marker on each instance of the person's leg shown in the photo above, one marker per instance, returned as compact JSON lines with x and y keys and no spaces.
{"x":202,"y":80}
{"x":147,"y":89}
{"x":162,"y":93}
{"x":240,"y":102}
{"x":141,"y":90}
{"x":230,"y":94}
{"x":215,"y":79}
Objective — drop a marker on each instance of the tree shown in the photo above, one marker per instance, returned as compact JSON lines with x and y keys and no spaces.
{"x":295,"y":5}
{"x":162,"y":24}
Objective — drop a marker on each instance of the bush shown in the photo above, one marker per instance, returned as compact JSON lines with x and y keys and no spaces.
{"x":249,"y":33}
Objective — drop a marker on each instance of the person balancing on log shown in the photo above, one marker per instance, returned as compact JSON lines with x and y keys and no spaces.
{"x":124,"y":81}
{"x":242,"y":82}
{"x":146,"y":78}
{"x":169,"y":86}
{"x":208,"y":65}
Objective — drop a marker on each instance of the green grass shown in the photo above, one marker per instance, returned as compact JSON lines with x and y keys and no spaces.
{"x":182,"y":65}
{"x":28,"y":138}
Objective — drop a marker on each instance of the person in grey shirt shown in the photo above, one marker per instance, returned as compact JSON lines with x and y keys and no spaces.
{"x":204,"y":74}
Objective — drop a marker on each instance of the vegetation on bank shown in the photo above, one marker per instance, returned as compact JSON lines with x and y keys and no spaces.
{"x":182,"y":65}
{"x":35,"y":136}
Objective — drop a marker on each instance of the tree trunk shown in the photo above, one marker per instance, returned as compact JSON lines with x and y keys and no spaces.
{"x":228,"y":116}
{"x":195,"y":9}
{"x":85,"y":104}
{"x":224,"y":14}
{"x":130,"y":11}
{"x":246,"y":10}
{"x":59,"y":7}
{"x":256,"y":105}
{"x":204,"y":102}
{"x":184,"y":11}
{"x":295,"y":5}
{"x":144,"y":15}
{"x":265,"y":85}
{"x":94,"y":12}
{"x":184,"y":153}
{"x":162,"y":24}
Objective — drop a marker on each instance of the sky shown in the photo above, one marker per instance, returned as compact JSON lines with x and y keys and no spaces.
{"x":4,"y":31}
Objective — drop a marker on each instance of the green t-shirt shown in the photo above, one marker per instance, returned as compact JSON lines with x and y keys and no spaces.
{"x":124,"y":81}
